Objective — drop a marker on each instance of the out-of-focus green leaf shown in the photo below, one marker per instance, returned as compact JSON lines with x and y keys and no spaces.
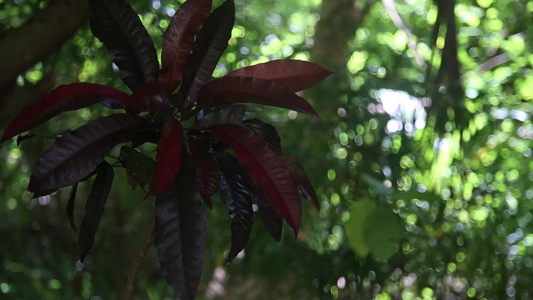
{"x":355,"y":227}
{"x":382,"y":232}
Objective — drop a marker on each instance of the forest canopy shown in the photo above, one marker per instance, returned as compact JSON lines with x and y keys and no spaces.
{"x":421,"y":157}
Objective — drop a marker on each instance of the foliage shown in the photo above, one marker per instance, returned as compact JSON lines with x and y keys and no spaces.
{"x":454,"y":168}
{"x":179,"y":176}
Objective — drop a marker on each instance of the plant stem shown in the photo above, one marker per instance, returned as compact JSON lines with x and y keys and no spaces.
{"x":136,"y":268}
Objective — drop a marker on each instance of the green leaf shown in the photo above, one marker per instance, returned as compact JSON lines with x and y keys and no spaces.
{"x":355,"y":227}
{"x":383,"y":232}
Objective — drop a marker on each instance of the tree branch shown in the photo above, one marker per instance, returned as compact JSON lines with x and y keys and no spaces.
{"x":45,"y":32}
{"x":136,"y":268}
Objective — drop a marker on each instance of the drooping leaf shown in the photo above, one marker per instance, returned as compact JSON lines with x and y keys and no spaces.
{"x":119,"y":28}
{"x":268,"y":172}
{"x":238,"y":199}
{"x":295,"y":75}
{"x":264,"y":131}
{"x":70,"y":206}
{"x":207,"y":169}
{"x":77,"y":153}
{"x":63,"y":98}
{"x":236,"y":89}
{"x":209,"y":45}
{"x":270,"y":217}
{"x":94,"y":208}
{"x":138,"y":165}
{"x":150,"y":96}
{"x":230,"y":114}
{"x":181,"y":233}
{"x":179,"y":38}
{"x":300,"y":177}
{"x":168,"y":159}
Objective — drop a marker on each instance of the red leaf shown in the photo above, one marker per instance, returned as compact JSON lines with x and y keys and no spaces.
{"x":94,"y":207}
{"x":207,"y":169}
{"x":179,"y":38}
{"x":150,"y":96}
{"x":168,"y":159}
{"x":295,"y":75}
{"x":268,"y":172}
{"x":77,"y":153}
{"x":228,"y":90}
{"x":300,"y":177}
{"x":181,"y":233}
{"x":63,"y":98}
{"x":130,"y":46}
{"x":210,"y":43}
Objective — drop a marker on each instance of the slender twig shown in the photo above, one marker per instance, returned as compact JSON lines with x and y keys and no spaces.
{"x":136,"y":268}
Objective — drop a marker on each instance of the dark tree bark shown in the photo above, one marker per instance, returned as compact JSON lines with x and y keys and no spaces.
{"x":32,"y":42}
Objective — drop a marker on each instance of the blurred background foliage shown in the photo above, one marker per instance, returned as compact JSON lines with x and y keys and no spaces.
{"x":421,"y":158}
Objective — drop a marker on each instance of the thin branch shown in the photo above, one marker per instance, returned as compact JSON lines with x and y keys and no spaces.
{"x":136,"y":268}
{"x":398,"y":22}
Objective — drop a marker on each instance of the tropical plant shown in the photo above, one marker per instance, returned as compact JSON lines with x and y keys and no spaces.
{"x":216,"y":148}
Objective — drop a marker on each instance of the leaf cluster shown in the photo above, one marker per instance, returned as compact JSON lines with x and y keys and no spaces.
{"x":221,"y":150}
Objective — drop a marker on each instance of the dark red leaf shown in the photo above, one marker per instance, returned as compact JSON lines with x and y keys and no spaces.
{"x":209,"y":45}
{"x":131,"y":181}
{"x":70,"y":206}
{"x":63,"y":98}
{"x":168,"y":159}
{"x":264,"y":131}
{"x":268,"y":172}
{"x":229,"y":114}
{"x":119,"y":28}
{"x":181,"y":233}
{"x":150,"y":96}
{"x":138,"y":165}
{"x":77,"y":153}
{"x":94,"y":207}
{"x":228,"y":90}
{"x":207,"y":170}
{"x":295,"y":75}
{"x":270,"y":217}
{"x":300,"y":177}
{"x":238,"y":199}
{"x":148,"y":136}
{"x":179,"y":39}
